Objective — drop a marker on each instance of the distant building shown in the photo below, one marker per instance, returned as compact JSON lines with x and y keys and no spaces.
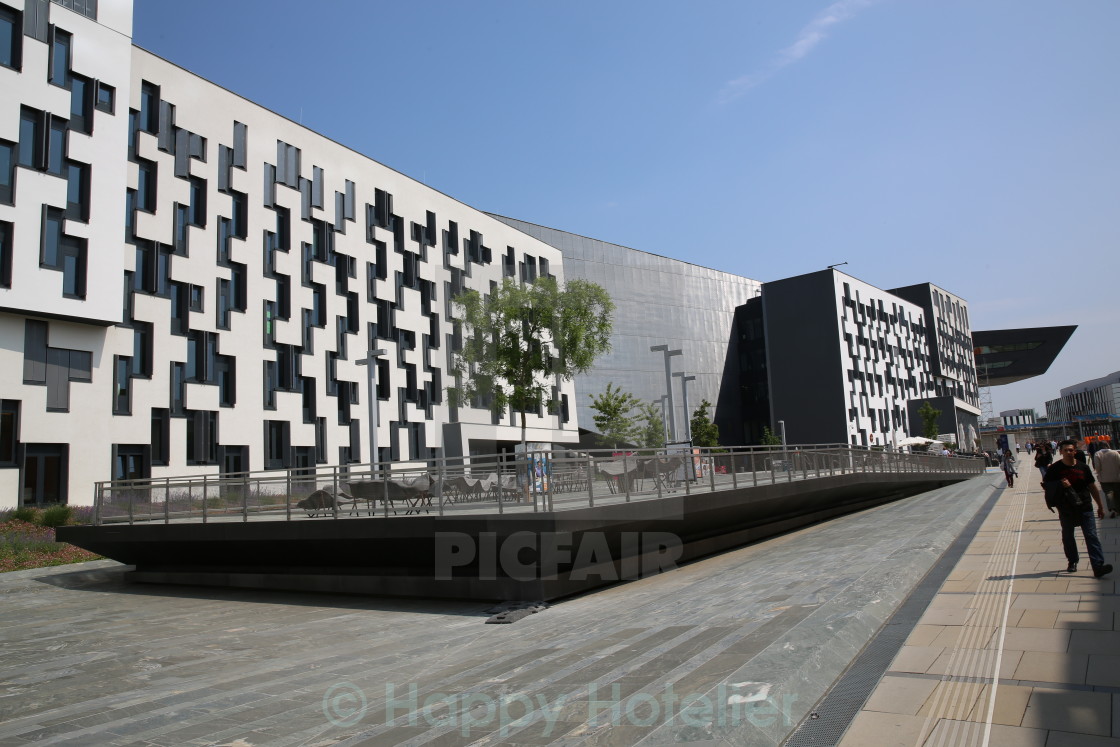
{"x":1017,"y":417}
{"x":835,"y":359}
{"x":1089,"y":408}
{"x":659,"y":301}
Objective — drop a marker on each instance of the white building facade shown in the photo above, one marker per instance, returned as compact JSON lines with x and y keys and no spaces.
{"x":188,"y":280}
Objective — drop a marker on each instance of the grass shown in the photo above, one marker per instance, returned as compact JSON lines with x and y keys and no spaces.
{"x":25,"y":543}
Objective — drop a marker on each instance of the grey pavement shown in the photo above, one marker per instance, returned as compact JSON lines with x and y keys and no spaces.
{"x":735,"y":649}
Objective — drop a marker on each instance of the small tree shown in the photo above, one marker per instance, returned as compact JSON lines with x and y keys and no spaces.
{"x":519,"y":337}
{"x":704,"y":431}
{"x":651,"y":432}
{"x":929,"y":415}
{"x":614,"y":417}
{"x":769,"y":438}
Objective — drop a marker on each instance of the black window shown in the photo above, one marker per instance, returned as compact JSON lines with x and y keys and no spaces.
{"x":197,"y":298}
{"x":283,"y":228}
{"x":31,"y":138}
{"x":142,"y":349}
{"x":197,"y":216}
{"x":9,"y":432}
{"x":240,"y":223}
{"x":7,"y":172}
{"x":56,"y":146}
{"x":11,"y":37}
{"x":73,"y":267}
{"x":81,"y":104}
{"x":77,"y":191}
{"x":149,"y":108}
{"x":122,"y":392}
{"x":6,"y":251}
{"x":225,"y":303}
{"x":202,"y":437}
{"x":161,"y":435}
{"x":105,"y":98}
{"x":226,"y":374}
{"x":146,"y":186}
{"x":276,"y":451}
{"x":59,"y":73}
{"x":51,"y":237}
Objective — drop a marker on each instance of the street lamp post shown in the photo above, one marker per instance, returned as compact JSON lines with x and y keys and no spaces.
{"x":684,"y":396}
{"x":669,"y":385}
{"x":664,"y":422}
{"x":371,"y":396}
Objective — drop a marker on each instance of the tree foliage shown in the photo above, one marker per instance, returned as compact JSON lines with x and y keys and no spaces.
{"x":704,"y":431}
{"x":929,"y":415}
{"x":615,"y":417}
{"x":769,"y":438}
{"x":519,"y":338}
{"x":651,"y":429}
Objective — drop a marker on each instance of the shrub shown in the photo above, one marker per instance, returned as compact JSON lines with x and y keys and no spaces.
{"x":57,"y":515}
{"x":30,"y":514}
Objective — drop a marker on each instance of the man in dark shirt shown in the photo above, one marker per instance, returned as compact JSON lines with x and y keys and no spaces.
{"x":1069,"y":473}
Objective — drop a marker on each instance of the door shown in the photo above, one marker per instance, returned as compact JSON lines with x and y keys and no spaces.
{"x":44,"y":474}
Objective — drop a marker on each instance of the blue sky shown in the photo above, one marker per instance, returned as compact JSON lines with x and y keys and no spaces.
{"x":970,"y":144}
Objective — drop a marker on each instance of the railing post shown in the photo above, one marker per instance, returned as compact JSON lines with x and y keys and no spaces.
{"x":245,"y":500}
{"x":590,"y":481}
{"x":754,"y":474}
{"x":334,"y":483}
{"x":734,"y":471}
{"x":98,"y":499}
{"x":288,"y":494}
{"x":626,"y":477}
{"x":440,"y":470}
{"x":385,"y":489}
{"x":711,"y":468}
{"x":205,"y":509}
{"x":166,"y":504}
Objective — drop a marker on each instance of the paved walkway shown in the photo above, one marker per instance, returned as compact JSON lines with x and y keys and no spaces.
{"x":1009,"y":608}
{"x":734,"y":650}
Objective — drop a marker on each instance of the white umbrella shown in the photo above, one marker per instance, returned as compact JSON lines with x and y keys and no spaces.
{"x":915,"y":441}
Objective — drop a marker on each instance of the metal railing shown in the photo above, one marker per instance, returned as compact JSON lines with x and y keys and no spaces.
{"x":497,"y":483}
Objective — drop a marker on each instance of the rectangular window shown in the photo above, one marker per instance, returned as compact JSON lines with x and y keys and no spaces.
{"x":197,"y":216}
{"x":276,"y":451}
{"x":11,"y":37}
{"x":81,"y":104}
{"x":77,"y":191}
{"x":161,"y":435}
{"x":122,"y":397}
{"x":224,"y":303}
{"x":142,"y":349}
{"x":59,"y":73}
{"x":202,"y":437}
{"x":240,"y":222}
{"x":146,"y":186}
{"x":9,"y":432}
{"x":149,"y":107}
{"x":56,"y":146}
{"x":73,"y":267}
{"x":6,"y":252}
{"x":51,"y":238}
{"x":7,"y":172}
{"x":226,"y":373}
{"x":240,"y":138}
{"x":105,"y":98}
{"x":32,"y":139}
{"x":196,"y":298}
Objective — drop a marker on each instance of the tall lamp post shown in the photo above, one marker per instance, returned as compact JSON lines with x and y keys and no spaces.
{"x":669,"y":385}
{"x":684,"y":396}
{"x":371,"y":396}
{"x":664,"y":422}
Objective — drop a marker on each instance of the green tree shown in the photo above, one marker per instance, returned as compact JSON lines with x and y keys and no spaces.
{"x":769,"y":438}
{"x":704,"y":431}
{"x":614,"y":415}
{"x":651,"y":432}
{"x":929,"y":415}
{"x":519,"y":338}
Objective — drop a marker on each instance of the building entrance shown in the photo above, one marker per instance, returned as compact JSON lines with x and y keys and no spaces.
{"x":44,"y":474}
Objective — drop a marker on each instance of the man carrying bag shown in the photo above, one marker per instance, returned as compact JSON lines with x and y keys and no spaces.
{"x":1071,"y":489}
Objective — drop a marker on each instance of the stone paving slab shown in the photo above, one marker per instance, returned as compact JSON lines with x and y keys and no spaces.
{"x":734,"y":649}
{"x":1028,"y":651}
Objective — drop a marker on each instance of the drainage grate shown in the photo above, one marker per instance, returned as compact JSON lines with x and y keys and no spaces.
{"x":828,"y":721}
{"x":511,"y":612}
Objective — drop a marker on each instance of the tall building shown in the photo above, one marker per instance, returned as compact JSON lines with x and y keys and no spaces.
{"x":1089,"y":408}
{"x":835,"y":359}
{"x":660,"y":301}
{"x":952,"y":362}
{"x":188,"y":281}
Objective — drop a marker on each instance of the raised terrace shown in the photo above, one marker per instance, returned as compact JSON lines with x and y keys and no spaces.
{"x":542,"y":527}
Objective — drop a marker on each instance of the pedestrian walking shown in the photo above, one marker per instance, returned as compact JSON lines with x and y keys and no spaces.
{"x":1007,"y":464}
{"x":1107,"y":463}
{"x":1042,"y":459}
{"x":1071,"y":489}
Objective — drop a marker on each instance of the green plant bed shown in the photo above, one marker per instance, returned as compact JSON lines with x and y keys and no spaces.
{"x":25,"y":545}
